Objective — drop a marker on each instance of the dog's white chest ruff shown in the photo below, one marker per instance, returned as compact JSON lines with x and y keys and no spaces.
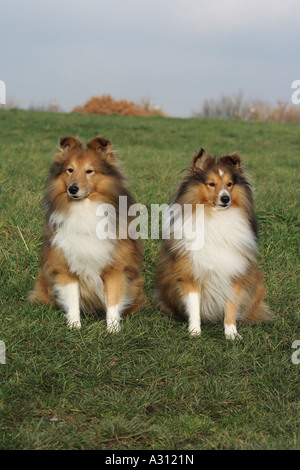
{"x":228,"y":247}
{"x":227,"y":241}
{"x":76,"y":237}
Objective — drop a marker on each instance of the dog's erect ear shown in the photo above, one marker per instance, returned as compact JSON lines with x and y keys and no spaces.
{"x":70,"y":142}
{"x":99,"y":144}
{"x":200,"y":160}
{"x":232,"y":159}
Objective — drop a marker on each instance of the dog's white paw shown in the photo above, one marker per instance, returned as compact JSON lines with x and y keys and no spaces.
{"x":231,"y":332}
{"x":195,"y":332}
{"x":113,"y":326}
{"x":74,"y":325}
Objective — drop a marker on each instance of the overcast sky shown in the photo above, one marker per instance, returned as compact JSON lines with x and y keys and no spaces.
{"x":174,"y":53}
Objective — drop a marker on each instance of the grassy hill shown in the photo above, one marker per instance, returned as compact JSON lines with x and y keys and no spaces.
{"x":151,"y":386}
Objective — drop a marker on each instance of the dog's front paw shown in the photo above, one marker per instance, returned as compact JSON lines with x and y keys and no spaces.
{"x":74,"y":325}
{"x":113,"y":326}
{"x":195,"y":332}
{"x":231,"y":332}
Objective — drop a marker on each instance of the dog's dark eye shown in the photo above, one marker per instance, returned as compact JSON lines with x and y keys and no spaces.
{"x":70,"y":170}
{"x":212,"y":184}
{"x":229,"y":184}
{"x":89,"y":171}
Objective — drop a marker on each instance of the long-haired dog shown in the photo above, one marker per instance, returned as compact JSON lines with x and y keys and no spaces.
{"x":220,"y":281}
{"x":79,"y":269}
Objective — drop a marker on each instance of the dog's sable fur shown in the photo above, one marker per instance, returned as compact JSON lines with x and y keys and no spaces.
{"x":78,"y":270}
{"x":220,"y":281}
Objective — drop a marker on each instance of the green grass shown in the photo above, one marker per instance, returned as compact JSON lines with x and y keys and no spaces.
{"x":151,"y":386}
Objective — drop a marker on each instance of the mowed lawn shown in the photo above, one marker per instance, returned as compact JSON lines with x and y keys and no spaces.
{"x":150,"y":386}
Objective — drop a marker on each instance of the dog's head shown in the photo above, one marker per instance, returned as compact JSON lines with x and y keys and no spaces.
{"x":218,"y":177}
{"x":80,"y":172}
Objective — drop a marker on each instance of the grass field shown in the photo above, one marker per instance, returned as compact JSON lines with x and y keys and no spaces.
{"x":150,"y":386}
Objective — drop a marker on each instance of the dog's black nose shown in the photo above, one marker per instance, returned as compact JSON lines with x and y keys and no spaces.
{"x":225,"y":199}
{"x":73,"y":189}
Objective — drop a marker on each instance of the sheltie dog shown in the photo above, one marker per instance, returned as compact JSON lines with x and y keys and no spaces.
{"x":220,"y":281}
{"x":78,"y":270}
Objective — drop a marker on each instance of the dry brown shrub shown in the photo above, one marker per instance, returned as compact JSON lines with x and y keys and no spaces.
{"x":237,"y":107}
{"x":107,"y":105}
{"x":284,"y":112}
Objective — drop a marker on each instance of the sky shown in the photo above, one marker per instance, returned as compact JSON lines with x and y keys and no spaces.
{"x":173,"y":53}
